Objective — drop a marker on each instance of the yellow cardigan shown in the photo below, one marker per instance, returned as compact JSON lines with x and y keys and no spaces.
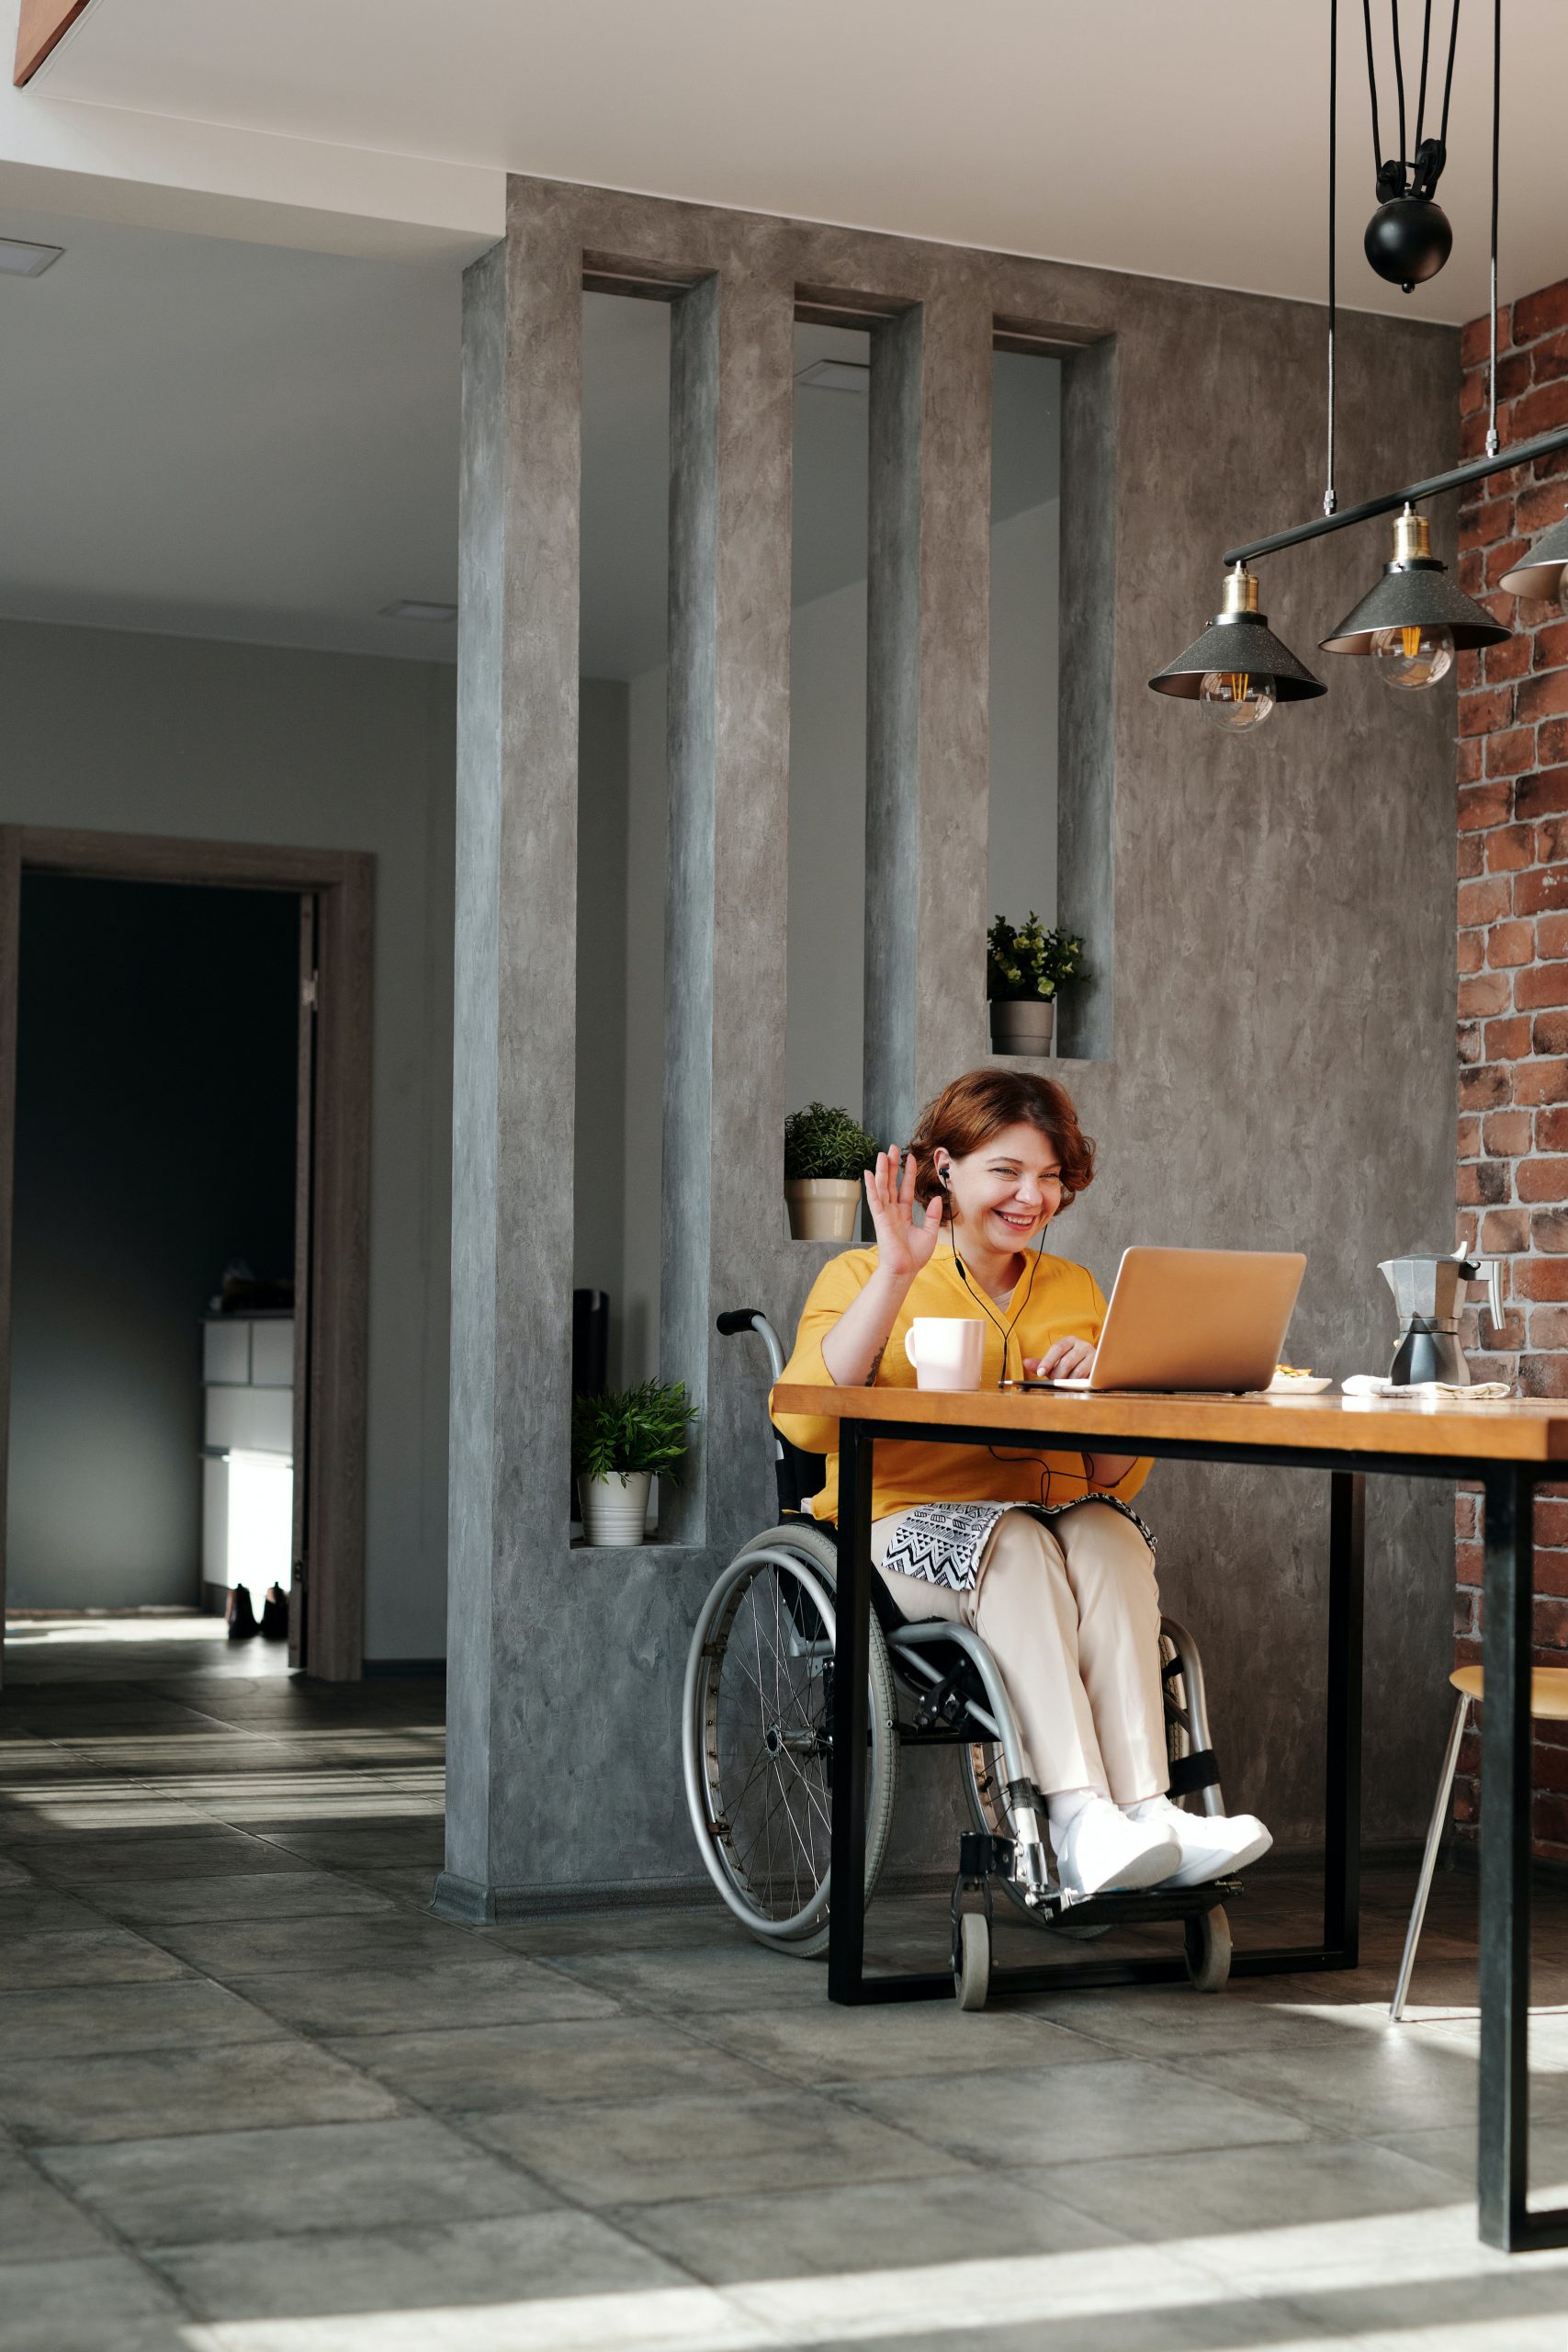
{"x":1065,"y":1303}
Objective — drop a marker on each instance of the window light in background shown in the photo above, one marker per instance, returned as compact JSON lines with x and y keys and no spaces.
{"x":261,"y":1522}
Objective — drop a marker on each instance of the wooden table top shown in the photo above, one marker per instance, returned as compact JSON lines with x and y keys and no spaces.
{"x":1507,"y":1429}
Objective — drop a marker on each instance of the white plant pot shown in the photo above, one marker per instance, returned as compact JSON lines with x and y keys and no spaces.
{"x":822,"y":1208}
{"x":615,"y":1510}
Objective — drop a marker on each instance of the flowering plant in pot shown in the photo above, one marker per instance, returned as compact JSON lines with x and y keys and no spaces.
{"x":826,"y":1154}
{"x":1025,"y":965}
{"x":620,"y":1442}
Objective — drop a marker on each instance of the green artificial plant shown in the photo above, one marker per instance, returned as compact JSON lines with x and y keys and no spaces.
{"x":825,"y":1143}
{"x":630,"y":1430}
{"x":1028,"y":964}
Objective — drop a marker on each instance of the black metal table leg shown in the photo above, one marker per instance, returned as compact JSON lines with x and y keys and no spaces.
{"x":846,"y":1918}
{"x":1506,"y":1737}
{"x":1342,"y":1788}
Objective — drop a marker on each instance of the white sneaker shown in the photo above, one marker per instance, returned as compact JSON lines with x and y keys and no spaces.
{"x":1102,"y":1847}
{"x":1208,"y":1845}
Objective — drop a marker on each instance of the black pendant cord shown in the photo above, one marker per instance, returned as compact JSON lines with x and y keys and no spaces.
{"x":1496,"y":135}
{"x":1414,"y":172}
{"x":1005,"y":1329}
{"x":1449,"y":78}
{"x":1330,"y":496}
{"x":1373,"y":86}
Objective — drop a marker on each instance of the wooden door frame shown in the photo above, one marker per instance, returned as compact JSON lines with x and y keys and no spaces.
{"x":344,"y":884}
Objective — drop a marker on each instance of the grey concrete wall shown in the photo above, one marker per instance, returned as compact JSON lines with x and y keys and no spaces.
{"x":1276,"y":915}
{"x":117,"y":731}
{"x":824,"y":1016}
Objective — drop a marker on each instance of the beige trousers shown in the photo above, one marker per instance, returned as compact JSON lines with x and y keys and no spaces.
{"x":1070,"y":1612}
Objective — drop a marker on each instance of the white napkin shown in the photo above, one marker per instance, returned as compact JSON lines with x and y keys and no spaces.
{"x":1479,"y":1392}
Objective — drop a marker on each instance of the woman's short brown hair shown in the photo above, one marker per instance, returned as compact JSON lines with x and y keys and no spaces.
{"x":973,"y":1108}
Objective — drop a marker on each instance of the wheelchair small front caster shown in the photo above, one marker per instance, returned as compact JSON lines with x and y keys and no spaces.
{"x":1208,"y":1942}
{"x":971,"y":1960}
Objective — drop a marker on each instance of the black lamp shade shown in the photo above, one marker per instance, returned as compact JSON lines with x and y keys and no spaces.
{"x":1541,"y":574}
{"x":1239,"y":641}
{"x":1414,"y":595}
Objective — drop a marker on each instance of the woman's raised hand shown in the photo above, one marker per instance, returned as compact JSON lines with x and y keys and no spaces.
{"x":903,"y":1247}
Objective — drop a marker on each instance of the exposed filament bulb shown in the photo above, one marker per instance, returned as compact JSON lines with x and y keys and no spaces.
{"x":1235,"y":699}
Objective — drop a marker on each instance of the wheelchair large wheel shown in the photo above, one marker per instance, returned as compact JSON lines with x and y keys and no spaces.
{"x":757,"y":1739}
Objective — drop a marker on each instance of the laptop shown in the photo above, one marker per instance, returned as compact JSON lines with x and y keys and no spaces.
{"x":1212,"y":1319}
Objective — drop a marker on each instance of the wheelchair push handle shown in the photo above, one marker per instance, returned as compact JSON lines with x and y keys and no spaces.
{"x":751,"y":1318}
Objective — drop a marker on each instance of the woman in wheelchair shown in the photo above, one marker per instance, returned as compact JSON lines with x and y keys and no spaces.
{"x":1040,"y":1554}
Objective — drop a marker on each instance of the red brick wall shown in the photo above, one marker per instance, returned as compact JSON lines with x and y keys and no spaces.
{"x":1513,"y":965}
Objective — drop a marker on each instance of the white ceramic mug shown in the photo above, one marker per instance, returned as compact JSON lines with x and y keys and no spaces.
{"x":947,"y":1351}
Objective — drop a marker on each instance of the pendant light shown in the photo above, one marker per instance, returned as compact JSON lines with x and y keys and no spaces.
{"x":1416,"y":619}
{"x":1541,"y":573}
{"x":1238,"y":669}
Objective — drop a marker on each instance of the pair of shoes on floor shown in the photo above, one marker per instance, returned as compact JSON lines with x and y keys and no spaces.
{"x":1103,"y":1849}
{"x":242,"y":1625}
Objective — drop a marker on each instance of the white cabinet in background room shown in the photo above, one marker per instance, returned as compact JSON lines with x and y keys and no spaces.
{"x":247,"y":1366}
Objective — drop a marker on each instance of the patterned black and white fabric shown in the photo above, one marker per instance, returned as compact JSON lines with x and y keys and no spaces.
{"x":945,"y":1542}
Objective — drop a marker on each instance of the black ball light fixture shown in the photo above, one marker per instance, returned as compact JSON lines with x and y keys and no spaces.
{"x":1409,"y":237}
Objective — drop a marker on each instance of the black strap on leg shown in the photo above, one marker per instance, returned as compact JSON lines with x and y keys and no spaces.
{"x":1191,"y":1773}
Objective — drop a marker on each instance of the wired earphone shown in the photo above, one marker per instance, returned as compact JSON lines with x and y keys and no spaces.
{"x":1005,"y":1329}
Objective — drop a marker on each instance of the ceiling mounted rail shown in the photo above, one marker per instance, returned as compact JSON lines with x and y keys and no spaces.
{"x":1523,"y":453}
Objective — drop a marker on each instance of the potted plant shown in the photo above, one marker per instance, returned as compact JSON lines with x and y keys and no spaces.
{"x":826,"y":1154}
{"x":1025,"y":968}
{"x":620,"y":1441}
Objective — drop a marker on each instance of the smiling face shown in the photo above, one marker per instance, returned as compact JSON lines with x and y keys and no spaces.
{"x":1007,"y":1191}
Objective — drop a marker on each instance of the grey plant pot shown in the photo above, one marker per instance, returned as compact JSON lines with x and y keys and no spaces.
{"x":1022,"y":1025}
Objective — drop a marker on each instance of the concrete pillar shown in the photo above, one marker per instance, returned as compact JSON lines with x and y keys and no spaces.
{"x":565,"y":1665}
{"x":927,"y":778}
{"x":514,"y":1040}
{"x":731,"y":448}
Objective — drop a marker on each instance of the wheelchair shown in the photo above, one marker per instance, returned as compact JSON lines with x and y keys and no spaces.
{"x":757,"y":1719}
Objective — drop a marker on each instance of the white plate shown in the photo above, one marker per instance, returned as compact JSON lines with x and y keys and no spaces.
{"x":1279,"y":1387}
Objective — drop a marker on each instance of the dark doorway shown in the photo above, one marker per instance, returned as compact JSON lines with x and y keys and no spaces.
{"x":315,"y":1364}
{"x":155,"y":1131}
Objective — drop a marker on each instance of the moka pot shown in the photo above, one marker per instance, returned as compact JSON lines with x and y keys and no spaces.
{"x":1425,"y":1292}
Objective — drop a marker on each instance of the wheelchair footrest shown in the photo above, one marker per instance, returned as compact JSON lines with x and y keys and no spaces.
{"x":1144,"y":1904}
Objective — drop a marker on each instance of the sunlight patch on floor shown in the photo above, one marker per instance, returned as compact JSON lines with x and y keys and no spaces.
{"x":199,"y":1626}
{"x":1185,"y":2281}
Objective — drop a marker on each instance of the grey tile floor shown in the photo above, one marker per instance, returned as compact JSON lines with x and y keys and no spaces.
{"x":255,"y":2099}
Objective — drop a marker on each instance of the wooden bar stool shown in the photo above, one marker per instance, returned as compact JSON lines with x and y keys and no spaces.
{"x":1548,"y":1700}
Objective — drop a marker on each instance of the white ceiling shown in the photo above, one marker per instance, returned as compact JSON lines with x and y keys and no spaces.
{"x":1179,"y":138}
{"x":227,"y":439}
{"x":227,"y":435}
